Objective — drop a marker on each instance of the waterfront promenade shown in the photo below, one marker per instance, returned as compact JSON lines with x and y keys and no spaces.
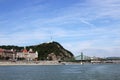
{"x":29,"y":63}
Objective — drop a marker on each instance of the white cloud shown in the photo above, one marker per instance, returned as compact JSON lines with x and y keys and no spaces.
{"x":36,"y":27}
{"x":102,"y":8}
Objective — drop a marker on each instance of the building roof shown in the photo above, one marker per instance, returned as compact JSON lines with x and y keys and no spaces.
{"x":24,"y":51}
{"x":5,"y":51}
{"x":1,"y":50}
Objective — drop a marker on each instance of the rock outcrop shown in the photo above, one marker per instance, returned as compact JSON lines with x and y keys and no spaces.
{"x":52,"y":51}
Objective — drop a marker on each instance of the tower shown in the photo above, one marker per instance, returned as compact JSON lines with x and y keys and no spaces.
{"x":30,"y":50}
{"x":25,"y":50}
{"x":36,"y":54}
{"x":81,"y":55}
{"x":51,"y":37}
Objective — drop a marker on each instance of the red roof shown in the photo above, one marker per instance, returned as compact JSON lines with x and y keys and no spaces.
{"x":5,"y":51}
{"x":25,"y":51}
{"x":1,"y":50}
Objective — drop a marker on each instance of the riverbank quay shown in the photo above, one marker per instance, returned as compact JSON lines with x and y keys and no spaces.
{"x":29,"y":63}
{"x":8,"y":63}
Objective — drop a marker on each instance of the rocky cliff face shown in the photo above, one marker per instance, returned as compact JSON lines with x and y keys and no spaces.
{"x":52,"y":51}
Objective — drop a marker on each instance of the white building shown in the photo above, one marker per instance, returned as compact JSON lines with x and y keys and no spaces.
{"x":28,"y":55}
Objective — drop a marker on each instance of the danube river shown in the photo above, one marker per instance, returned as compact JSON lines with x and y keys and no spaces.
{"x":61,"y":72}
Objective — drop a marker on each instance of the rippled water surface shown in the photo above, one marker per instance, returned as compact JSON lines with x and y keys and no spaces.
{"x":61,"y":72}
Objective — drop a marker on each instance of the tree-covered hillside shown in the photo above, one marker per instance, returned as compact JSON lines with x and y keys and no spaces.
{"x":47,"y":51}
{"x":52,"y":48}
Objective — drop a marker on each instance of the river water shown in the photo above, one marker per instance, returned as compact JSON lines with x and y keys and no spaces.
{"x":61,"y":72}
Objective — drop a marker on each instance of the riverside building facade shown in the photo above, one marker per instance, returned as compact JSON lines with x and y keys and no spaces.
{"x":20,"y":55}
{"x":27,"y":55}
{"x":7,"y":54}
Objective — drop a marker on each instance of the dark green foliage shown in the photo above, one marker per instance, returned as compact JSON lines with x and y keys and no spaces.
{"x":45,"y":49}
{"x":9,"y":47}
{"x":52,"y":47}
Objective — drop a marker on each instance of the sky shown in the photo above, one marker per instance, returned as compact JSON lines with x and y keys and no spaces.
{"x":88,"y":26}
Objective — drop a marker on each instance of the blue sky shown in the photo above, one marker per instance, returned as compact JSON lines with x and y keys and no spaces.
{"x":88,"y":26}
